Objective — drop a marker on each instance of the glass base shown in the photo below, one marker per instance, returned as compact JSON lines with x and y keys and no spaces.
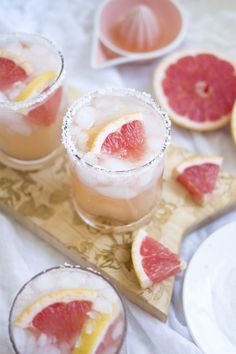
{"x":29,"y":165}
{"x":109,"y":225}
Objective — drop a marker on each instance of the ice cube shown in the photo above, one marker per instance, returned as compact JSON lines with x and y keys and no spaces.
{"x":102,"y":305}
{"x":90,"y":158}
{"x":86,"y":117}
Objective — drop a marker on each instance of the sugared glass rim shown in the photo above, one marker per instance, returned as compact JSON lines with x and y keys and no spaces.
{"x":66,"y":266}
{"x":55,"y":84}
{"x":85,"y":99}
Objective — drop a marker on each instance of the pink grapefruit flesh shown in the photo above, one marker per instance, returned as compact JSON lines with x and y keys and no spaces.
{"x":128,"y":142}
{"x":200,"y":179}
{"x":64,"y":321}
{"x":10,"y":73}
{"x":198,"y":89}
{"x":46,"y":113}
{"x":158,"y":261}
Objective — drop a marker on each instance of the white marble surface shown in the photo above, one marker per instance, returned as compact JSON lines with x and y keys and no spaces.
{"x":212,"y":23}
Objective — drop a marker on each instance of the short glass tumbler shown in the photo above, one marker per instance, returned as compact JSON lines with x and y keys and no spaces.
{"x":113,"y":193}
{"x":68,"y":310}
{"x":33,"y":100}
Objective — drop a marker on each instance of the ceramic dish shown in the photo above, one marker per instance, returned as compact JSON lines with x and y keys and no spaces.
{"x":209,"y":293}
{"x":166,"y":15}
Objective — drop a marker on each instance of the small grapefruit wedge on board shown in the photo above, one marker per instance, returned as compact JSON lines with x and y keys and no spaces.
{"x":197,"y":88}
{"x":152,"y":261}
{"x":198,"y":174}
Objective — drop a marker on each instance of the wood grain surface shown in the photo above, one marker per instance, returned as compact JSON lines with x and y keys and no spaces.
{"x":41,"y":201}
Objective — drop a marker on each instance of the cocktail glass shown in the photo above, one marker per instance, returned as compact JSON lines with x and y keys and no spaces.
{"x":32,"y":100}
{"x":115,"y":195}
{"x":68,"y":310}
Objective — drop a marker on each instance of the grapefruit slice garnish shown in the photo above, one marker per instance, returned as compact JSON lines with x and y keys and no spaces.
{"x":61,"y":314}
{"x":93,"y":333}
{"x":152,"y":261}
{"x":233,"y":123}
{"x":123,"y":137}
{"x":37,"y":85}
{"x":197,"y":88}
{"x":12,"y":69}
{"x":198,"y":174}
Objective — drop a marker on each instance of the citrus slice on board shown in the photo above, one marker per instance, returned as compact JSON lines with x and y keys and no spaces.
{"x":197,"y":88}
{"x":233,"y":123}
{"x":61,"y":314}
{"x":123,"y":137}
{"x":198,"y":174}
{"x":12,"y":69}
{"x":37,"y":85}
{"x":152,"y":261}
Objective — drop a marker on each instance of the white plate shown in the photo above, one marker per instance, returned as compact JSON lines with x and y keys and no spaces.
{"x":209,"y":293}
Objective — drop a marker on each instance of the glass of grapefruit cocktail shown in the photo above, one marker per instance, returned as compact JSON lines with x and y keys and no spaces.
{"x":67,"y":310}
{"x":116,"y":141}
{"x":32,"y":100}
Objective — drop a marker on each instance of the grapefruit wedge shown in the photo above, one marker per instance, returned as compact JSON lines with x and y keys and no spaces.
{"x":123,"y":137}
{"x":12,"y":69}
{"x":152,"y":261}
{"x":198,"y":174}
{"x":197,"y":88}
{"x":60,"y":314}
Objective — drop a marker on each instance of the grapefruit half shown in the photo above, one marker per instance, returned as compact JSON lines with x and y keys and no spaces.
{"x":152,"y":261}
{"x":123,"y":137}
{"x":198,"y":174}
{"x":197,"y":88}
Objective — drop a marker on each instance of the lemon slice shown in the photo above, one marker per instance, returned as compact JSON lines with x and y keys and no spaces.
{"x":98,"y":136}
{"x":233,"y":123}
{"x":36,"y":85}
{"x":93,"y":333}
{"x":66,"y":296}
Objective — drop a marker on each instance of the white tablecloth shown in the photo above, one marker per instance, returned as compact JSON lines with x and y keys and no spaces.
{"x":212,"y":23}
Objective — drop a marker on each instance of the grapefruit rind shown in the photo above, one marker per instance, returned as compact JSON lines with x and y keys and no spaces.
{"x":26,"y":317}
{"x":18,"y":60}
{"x":178,"y":119}
{"x":36,"y":85}
{"x":233,"y":123}
{"x":144,"y":280}
{"x":111,"y":127}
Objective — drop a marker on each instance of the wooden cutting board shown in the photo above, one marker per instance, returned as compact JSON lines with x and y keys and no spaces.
{"x":41,"y":201}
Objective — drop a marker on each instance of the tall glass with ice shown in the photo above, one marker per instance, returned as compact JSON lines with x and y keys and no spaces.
{"x":116,"y":141}
{"x":32,"y":100}
{"x":68,"y":310}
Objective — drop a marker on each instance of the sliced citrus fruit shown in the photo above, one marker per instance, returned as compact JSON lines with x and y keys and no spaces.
{"x":46,"y":113}
{"x":124,"y":137}
{"x":197,"y":88}
{"x":92,"y":334}
{"x":61,"y":314}
{"x":233,"y":123}
{"x":12,"y":69}
{"x":198,"y":174}
{"x":152,"y":261}
{"x":37,"y":85}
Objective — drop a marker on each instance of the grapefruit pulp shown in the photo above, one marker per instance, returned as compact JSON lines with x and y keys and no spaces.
{"x":198,"y":175}
{"x":152,"y":261}
{"x":197,"y":88}
{"x":123,"y":137}
{"x":12,"y":70}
